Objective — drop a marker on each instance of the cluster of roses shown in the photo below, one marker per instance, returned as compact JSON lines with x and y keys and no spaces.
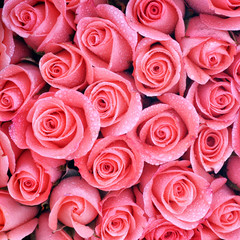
{"x":146,"y":110}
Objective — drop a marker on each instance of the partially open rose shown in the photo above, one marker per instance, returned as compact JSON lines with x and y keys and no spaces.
{"x":223,"y":15}
{"x":65,"y":66}
{"x":118,"y":104}
{"x":160,"y":228}
{"x":214,"y":101}
{"x":61,"y":124}
{"x":14,"y":214}
{"x":211,"y":149}
{"x":158,"y":66}
{"x":224,"y":220}
{"x":179,"y":195}
{"x":107,"y":40}
{"x":75,"y":204}
{"x":122,"y":217}
{"x":206,"y":52}
{"x":165,"y":130}
{"x":112,"y":164}
{"x":38,"y":22}
{"x":147,"y":16}
{"x":31,"y":182}
{"x":18,"y":83}
{"x":7,"y":159}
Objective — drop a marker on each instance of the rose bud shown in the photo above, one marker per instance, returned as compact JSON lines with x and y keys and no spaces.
{"x":75,"y":204}
{"x":206,"y":54}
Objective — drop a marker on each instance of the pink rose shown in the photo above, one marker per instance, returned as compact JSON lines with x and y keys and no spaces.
{"x":179,"y":195}
{"x":225,"y":213}
{"x":165,"y":130}
{"x":235,"y":135}
{"x":58,"y":125}
{"x":205,"y":53}
{"x":65,"y":66}
{"x":122,"y":217}
{"x":38,"y":22}
{"x":223,"y":15}
{"x":233,"y":168}
{"x":6,"y":44}
{"x":18,"y":84}
{"x":31,"y":182}
{"x":158,"y":66}
{"x":44,"y":232}
{"x":118,"y":104}
{"x":107,"y":40}
{"x":112,"y":164}
{"x":214,"y":101}
{"x":160,"y":228}
{"x":147,"y":16}
{"x":211,"y":149}
{"x":13,"y":214}
{"x":233,"y":71}
{"x":20,"y":232}
{"x":75,"y":204}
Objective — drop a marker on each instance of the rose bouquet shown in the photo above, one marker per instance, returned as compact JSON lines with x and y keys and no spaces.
{"x":120,"y":119}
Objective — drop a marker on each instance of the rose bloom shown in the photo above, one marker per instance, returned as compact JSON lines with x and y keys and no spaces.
{"x":7,"y":159}
{"x":214,"y":101}
{"x":6,"y":44}
{"x":225,"y":212}
{"x":75,"y":204}
{"x":223,"y":15}
{"x":211,"y":149}
{"x":179,"y":195}
{"x":122,"y":218}
{"x":113,"y":163}
{"x":18,"y":83}
{"x":160,"y":228}
{"x":165,"y":130}
{"x":107,"y":40}
{"x":60,"y":125}
{"x":158,"y":66}
{"x":13,"y":215}
{"x":147,"y":16}
{"x":38,"y":22}
{"x":31,"y":182}
{"x":118,"y":104}
{"x":234,"y":71}
{"x":205,"y":53}
{"x":65,"y":66}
